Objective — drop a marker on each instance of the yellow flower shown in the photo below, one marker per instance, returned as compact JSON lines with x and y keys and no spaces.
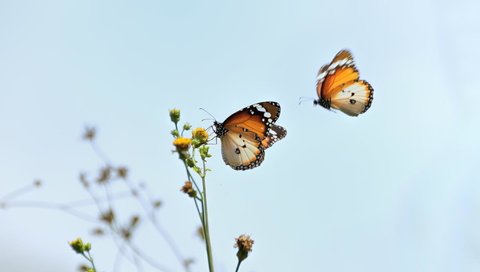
{"x":200,"y":136}
{"x":77,"y":245}
{"x":182,"y":144}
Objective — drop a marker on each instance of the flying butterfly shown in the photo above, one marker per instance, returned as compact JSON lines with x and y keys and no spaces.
{"x":246,"y":134}
{"x":339,"y":86}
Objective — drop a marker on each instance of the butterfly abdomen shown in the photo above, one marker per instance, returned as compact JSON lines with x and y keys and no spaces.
{"x":322,"y":102}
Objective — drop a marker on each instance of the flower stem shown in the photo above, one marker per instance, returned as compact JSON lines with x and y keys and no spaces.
{"x":238,"y":265}
{"x":90,"y":259}
{"x":205,"y":221}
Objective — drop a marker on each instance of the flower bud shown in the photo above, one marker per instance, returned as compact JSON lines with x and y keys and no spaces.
{"x":204,"y":152}
{"x":200,"y":135}
{"x":175,"y":115}
{"x":77,"y":245}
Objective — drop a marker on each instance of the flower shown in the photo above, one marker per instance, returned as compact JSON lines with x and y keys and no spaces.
{"x":175,"y":133}
{"x":104,"y":175}
{"x":79,"y":247}
{"x":175,"y":115}
{"x":107,"y":216}
{"x":83,"y":180}
{"x":182,"y":144}
{"x":244,"y":244}
{"x":204,"y":152}
{"x":122,"y":172}
{"x":37,"y":183}
{"x":89,"y":134}
{"x":134,"y":220}
{"x":200,"y":136}
{"x":187,"y":188}
{"x":201,"y":233}
{"x":98,"y":232}
{"x":156,"y":204}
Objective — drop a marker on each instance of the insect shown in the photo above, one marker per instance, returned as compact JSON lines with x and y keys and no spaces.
{"x":339,"y":86}
{"x":246,"y":134}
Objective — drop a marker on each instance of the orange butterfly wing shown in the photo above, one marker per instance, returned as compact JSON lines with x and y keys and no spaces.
{"x":339,"y":86}
{"x":256,"y":118}
{"x":244,"y":119}
{"x":275,"y":133}
{"x":247,"y":133}
{"x":241,"y":149}
{"x":336,"y":80}
{"x":354,"y":98}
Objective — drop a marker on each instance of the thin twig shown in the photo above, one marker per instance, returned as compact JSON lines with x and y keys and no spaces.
{"x":50,"y":206}
{"x":19,"y":191}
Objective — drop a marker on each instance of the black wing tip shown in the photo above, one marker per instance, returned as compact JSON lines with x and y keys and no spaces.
{"x":370,"y":97}
{"x":256,"y":163}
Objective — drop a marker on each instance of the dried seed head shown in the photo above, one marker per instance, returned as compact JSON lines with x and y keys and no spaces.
{"x":104,"y":175}
{"x":187,"y":188}
{"x":157,"y":204}
{"x":108,"y":217}
{"x":98,"y":231}
{"x":244,"y":244}
{"x":89,"y":134}
{"x":201,"y":233}
{"x":122,"y":172}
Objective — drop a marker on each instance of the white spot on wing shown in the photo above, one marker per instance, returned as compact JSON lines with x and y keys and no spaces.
{"x":321,"y":76}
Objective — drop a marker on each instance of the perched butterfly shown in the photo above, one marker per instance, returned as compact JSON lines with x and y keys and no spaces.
{"x":339,"y":86}
{"x":246,"y":134}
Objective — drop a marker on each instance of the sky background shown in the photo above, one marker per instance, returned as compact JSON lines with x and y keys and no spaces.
{"x":395,"y":189}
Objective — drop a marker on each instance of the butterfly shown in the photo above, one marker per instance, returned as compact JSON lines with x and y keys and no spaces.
{"x":339,"y":86}
{"x":246,"y":134}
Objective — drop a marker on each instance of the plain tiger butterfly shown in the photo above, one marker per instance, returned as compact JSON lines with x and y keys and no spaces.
{"x":246,"y":134}
{"x":339,"y":86}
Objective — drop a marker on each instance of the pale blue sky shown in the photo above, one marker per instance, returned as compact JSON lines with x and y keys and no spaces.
{"x":395,"y":189}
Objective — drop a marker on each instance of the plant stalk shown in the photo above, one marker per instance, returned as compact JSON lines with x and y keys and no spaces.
{"x":238,"y":265}
{"x":205,"y":221}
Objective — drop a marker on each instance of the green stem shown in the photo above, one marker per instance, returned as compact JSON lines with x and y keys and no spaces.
{"x":198,"y":210}
{"x":238,"y":266}
{"x":190,"y":177}
{"x":90,"y":259}
{"x":205,"y":221}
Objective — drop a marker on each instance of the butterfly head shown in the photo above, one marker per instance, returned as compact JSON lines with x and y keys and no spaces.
{"x":322,"y":102}
{"x":219,"y":129}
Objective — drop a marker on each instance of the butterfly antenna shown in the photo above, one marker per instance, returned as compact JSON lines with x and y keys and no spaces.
{"x":208,"y":114}
{"x":304,"y":98}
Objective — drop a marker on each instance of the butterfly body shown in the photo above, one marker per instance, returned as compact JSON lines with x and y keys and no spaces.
{"x":339,"y":86}
{"x":246,"y":134}
{"x":322,"y":102}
